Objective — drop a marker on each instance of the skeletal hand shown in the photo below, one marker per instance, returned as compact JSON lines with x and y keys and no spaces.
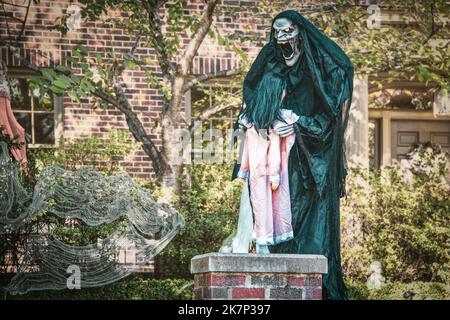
{"x":285,"y":131}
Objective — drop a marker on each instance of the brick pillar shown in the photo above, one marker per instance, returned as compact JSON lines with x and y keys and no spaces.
{"x":263,"y":277}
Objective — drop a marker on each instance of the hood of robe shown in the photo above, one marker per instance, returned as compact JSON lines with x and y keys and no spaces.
{"x":319,"y":55}
{"x":323,"y":68}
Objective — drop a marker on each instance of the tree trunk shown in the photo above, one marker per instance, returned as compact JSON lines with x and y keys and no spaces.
{"x":170,"y":184}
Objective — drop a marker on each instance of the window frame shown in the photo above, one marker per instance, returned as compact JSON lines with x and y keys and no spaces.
{"x":376,"y":143}
{"x":207,"y":124}
{"x":210,"y":85}
{"x":58,"y":110}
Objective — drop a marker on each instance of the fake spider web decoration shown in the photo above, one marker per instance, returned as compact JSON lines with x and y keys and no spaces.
{"x":144,"y":226}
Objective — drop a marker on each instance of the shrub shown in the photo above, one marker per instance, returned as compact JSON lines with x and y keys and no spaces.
{"x":412,"y":291}
{"x":103,"y":155}
{"x":399,"y":291}
{"x":357,"y":291}
{"x":210,"y":205}
{"x":400,"y":217}
{"x":133,"y":287}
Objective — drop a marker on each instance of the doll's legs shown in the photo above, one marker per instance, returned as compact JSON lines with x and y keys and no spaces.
{"x":261,"y":199}
{"x":282,"y":216}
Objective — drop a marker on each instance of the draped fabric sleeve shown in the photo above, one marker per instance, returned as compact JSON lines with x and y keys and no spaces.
{"x":332,"y":75}
{"x":317,"y":127}
{"x":314,"y":134}
{"x":330,"y":79}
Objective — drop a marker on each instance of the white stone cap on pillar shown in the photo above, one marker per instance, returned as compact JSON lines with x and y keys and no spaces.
{"x":267,"y":263}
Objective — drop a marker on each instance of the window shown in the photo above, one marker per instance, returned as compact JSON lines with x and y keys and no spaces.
{"x":202,"y":98}
{"x":207,"y":96}
{"x":40,"y":119}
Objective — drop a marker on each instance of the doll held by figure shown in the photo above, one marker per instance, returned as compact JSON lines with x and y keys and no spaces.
{"x":264,"y":162}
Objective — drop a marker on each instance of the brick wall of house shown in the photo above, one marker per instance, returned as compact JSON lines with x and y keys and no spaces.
{"x":42,"y":45}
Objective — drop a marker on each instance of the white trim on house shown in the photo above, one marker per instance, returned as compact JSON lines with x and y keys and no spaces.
{"x":58,"y":111}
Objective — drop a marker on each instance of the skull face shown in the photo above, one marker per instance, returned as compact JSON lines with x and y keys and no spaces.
{"x":286,"y":35}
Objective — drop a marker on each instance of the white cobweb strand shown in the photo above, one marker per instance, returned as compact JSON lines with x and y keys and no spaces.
{"x":94,"y":199}
{"x":13,"y":196}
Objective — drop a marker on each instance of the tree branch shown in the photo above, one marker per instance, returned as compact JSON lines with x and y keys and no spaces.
{"x":207,"y":113}
{"x":121,"y":68}
{"x":23,"y":21}
{"x":135,"y":125}
{"x":13,"y":4}
{"x":157,"y":38}
{"x":197,"y":39}
{"x":136,"y":43}
{"x":138,"y":131}
{"x":434,"y":28}
{"x":208,"y":76}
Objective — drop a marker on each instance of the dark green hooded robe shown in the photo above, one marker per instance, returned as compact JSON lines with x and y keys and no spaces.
{"x":319,"y":90}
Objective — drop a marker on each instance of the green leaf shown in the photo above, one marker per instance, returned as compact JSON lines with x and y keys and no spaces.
{"x":70,"y":59}
{"x":82,"y":50}
{"x":74,"y":96}
{"x":60,"y":84}
{"x":49,"y":74}
{"x":98,"y":58}
{"x":57,"y":90}
{"x":63,"y":69}
{"x":129,"y":64}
